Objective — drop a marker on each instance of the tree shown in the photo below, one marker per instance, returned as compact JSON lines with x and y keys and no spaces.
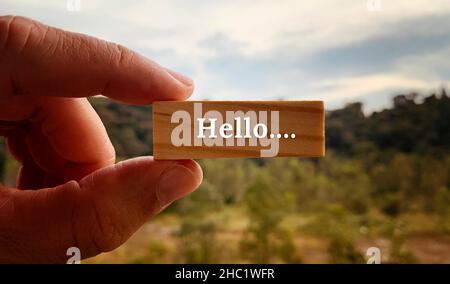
{"x":265,"y":239}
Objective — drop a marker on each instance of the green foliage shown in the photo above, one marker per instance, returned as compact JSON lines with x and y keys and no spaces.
{"x":345,"y":127}
{"x":343,"y":251}
{"x":398,"y":252}
{"x":378,"y":169}
{"x":266,"y":207}
{"x":200,"y":203}
{"x":346,"y":183}
{"x":156,"y":251}
{"x":407,"y":127}
{"x":198,"y":231}
{"x":129,"y":127}
{"x":198,"y":241}
{"x":229,"y":176}
{"x":336,"y":224}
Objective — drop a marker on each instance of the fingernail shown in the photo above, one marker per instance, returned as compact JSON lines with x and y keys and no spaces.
{"x":181,"y":78}
{"x":175,"y":183}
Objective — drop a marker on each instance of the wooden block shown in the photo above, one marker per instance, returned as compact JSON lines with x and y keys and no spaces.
{"x":215,"y":129}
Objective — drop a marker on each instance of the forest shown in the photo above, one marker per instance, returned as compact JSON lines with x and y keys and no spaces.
{"x":384,"y":182}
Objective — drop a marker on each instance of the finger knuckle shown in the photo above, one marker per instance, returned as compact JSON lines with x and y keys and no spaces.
{"x":122,"y":55}
{"x":107,"y":233}
{"x":16,"y":32}
{"x":106,"y":237}
{"x":5,"y":25}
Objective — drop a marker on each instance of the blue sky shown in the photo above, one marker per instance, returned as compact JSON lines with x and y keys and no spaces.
{"x":338,"y":51}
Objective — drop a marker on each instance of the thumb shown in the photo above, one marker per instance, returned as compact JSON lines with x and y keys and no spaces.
{"x":96,"y":215}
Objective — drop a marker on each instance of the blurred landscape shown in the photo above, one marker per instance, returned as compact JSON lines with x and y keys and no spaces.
{"x":385,"y":182}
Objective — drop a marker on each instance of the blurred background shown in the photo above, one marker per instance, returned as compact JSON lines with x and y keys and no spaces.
{"x":382,"y":68}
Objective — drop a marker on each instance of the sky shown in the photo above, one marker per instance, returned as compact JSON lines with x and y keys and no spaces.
{"x":338,"y":51}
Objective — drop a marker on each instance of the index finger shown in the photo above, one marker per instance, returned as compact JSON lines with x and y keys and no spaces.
{"x":40,"y":60}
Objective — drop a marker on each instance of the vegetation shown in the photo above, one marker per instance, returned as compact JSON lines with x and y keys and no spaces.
{"x":385,"y":181}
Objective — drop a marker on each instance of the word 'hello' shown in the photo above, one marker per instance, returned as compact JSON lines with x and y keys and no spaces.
{"x":238,"y":129}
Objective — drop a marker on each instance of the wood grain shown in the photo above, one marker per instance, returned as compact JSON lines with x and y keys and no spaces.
{"x":304,"y":119}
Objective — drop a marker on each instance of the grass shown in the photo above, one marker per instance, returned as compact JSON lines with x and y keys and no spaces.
{"x":410,"y":238}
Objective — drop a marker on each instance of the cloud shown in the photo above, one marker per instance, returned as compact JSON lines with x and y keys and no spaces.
{"x":264,"y":26}
{"x":432,"y":66}
{"x":353,"y":87}
{"x":334,"y":50}
{"x":377,"y":88}
{"x":417,"y":37}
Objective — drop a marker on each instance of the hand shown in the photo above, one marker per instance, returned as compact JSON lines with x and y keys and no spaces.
{"x":69,"y":191}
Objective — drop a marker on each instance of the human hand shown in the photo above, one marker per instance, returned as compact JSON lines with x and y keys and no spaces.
{"x":69,"y":191}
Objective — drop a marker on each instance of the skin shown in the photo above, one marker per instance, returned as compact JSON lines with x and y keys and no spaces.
{"x":70,"y":192}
